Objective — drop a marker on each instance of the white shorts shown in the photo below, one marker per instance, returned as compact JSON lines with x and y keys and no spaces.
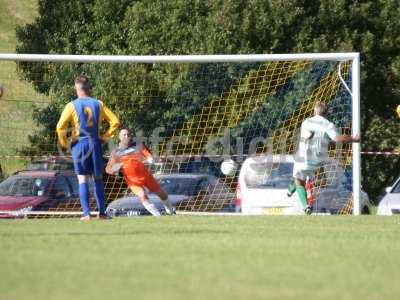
{"x":303,"y":173}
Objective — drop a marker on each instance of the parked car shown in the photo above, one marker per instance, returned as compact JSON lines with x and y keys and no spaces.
{"x":264,"y":180}
{"x":390,"y":203}
{"x":28,"y":191}
{"x":187,"y":192}
{"x":183,"y":164}
{"x":51,"y":164}
{"x":114,"y":185}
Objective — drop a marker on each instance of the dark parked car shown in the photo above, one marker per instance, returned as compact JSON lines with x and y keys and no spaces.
{"x":182,"y":164}
{"x":187,"y":192}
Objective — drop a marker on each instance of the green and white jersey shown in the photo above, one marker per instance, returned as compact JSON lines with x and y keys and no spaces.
{"x":315,"y":134}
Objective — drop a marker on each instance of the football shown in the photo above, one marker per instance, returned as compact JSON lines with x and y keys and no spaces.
{"x":228,"y":167}
{"x":1,"y":91}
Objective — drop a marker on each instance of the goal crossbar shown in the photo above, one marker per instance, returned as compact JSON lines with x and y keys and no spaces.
{"x":178,"y":58}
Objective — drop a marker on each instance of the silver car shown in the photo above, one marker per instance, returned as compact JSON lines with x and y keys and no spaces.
{"x":390,"y":203}
{"x":186,"y":191}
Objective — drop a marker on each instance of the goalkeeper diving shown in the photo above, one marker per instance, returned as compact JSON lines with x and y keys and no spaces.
{"x":315,"y":135}
{"x":129,"y":158}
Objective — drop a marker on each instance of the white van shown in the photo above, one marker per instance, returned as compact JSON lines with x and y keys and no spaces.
{"x":263,"y":185}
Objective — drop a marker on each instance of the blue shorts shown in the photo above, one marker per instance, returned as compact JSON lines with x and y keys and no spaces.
{"x":87,"y":156}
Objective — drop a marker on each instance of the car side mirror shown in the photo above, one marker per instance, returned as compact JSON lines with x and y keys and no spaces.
{"x":388,"y":189}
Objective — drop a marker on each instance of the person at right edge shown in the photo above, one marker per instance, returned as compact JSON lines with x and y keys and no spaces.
{"x":315,"y":135}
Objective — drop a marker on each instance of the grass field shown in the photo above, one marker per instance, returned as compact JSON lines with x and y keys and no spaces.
{"x":182,"y":257}
{"x":192,"y":257}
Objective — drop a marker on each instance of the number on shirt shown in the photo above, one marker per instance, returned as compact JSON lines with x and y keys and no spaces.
{"x":89,"y":116}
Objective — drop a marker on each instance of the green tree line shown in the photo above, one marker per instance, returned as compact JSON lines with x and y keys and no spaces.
{"x":158,"y":27}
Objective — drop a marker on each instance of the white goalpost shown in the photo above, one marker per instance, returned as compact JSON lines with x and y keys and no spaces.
{"x":356,"y":130}
{"x":216,"y":107}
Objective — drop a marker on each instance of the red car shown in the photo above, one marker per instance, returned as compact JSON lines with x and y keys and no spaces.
{"x":28,"y":191}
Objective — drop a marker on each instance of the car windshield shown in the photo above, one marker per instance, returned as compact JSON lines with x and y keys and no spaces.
{"x":267,"y":175}
{"x":396,"y":188}
{"x":179,"y":186}
{"x":204,"y":166}
{"x":49,"y":166}
{"x":24,"y":186}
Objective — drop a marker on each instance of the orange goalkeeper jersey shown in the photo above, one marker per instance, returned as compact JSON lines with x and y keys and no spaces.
{"x":133,"y":168}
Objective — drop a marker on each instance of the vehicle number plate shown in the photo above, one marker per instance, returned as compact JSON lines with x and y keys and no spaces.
{"x":273,"y":211}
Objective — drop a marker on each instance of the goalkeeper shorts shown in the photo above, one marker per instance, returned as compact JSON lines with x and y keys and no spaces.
{"x":148,"y":182}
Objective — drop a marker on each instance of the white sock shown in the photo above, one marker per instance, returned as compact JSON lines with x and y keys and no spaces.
{"x":151,"y":208}
{"x":168,"y":206}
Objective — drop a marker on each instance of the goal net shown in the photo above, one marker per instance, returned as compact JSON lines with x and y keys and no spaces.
{"x":192,"y":112}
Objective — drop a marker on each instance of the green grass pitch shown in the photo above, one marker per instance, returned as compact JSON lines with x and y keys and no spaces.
{"x":201,"y":257}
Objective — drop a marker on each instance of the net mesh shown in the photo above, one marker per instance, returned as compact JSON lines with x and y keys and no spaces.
{"x":210,"y":112}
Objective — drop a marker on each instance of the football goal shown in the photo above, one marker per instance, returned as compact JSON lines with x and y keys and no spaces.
{"x":193,"y":112}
